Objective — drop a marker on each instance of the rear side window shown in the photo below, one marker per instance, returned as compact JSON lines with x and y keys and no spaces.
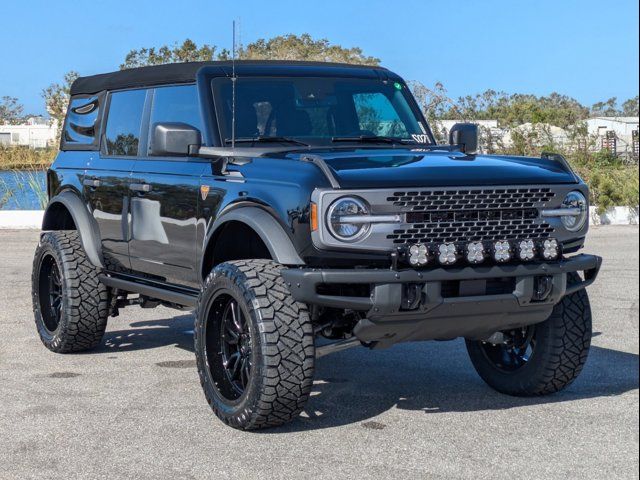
{"x":122,"y":135}
{"x":176,"y":104}
{"x":82,"y":125}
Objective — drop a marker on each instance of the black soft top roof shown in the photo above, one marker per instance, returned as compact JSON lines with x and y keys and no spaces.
{"x":186,"y":73}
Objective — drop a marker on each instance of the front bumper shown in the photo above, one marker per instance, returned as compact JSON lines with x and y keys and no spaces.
{"x":435,"y":316}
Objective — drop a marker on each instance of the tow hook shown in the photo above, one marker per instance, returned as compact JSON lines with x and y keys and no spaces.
{"x":411,"y":296}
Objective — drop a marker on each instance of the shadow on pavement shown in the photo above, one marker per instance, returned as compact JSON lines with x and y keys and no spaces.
{"x":150,"y":334}
{"x":357,"y":385}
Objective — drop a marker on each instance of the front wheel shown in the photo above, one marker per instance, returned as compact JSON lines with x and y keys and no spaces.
{"x":254,"y":346}
{"x":539,"y":359}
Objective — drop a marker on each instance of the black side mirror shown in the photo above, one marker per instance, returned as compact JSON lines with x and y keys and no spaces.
{"x":465,"y":135}
{"x":174,"y":139}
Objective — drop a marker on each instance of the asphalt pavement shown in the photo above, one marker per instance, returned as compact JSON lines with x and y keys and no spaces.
{"x":134,"y":408}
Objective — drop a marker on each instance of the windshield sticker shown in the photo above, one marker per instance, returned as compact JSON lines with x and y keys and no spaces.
{"x":398,"y":85}
{"x":420,"y":138}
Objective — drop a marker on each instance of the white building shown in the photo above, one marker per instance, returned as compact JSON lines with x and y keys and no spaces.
{"x":622,"y":126}
{"x":617,"y":134}
{"x":37,"y":132}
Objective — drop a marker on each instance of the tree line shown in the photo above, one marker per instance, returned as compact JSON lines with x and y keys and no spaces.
{"x":509,"y":109}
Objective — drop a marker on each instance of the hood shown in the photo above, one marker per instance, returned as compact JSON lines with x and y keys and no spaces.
{"x":384,"y":168}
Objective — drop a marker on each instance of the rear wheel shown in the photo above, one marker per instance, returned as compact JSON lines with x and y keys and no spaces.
{"x":70,"y":304}
{"x":539,"y":359}
{"x":254,"y":346}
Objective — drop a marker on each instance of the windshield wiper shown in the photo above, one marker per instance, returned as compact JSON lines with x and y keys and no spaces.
{"x":267,"y":139}
{"x":371,"y":139}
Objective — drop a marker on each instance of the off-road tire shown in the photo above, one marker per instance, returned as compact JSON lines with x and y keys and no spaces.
{"x":562,"y":347}
{"x":283,"y":350}
{"x":85,"y":300}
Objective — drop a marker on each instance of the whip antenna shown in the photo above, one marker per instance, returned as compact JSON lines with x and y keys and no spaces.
{"x":233,"y":88}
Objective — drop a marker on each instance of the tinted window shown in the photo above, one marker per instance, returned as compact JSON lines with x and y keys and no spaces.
{"x":124,"y":122}
{"x":377,"y":116}
{"x":315,"y":109}
{"x":177,"y":104}
{"x":82,"y":123}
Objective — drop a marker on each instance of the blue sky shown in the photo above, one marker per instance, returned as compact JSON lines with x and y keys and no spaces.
{"x":584,"y":48}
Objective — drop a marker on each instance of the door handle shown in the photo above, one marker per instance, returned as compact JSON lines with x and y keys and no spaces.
{"x":91,"y":182}
{"x":141,"y":187}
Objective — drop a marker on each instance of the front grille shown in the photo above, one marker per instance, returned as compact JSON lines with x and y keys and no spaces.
{"x":455,"y":215}
{"x":471,"y":199}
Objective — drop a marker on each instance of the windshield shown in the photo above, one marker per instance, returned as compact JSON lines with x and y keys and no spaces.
{"x":317,"y":110}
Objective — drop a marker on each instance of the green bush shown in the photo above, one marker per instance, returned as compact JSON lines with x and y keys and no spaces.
{"x":24,"y":158}
{"x":611,"y":182}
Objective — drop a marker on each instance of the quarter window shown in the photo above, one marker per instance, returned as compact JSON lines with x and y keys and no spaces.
{"x":124,"y":122}
{"x":83,"y":122}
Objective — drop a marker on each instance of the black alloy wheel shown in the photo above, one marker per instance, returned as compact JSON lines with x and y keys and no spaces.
{"x":228,"y":346}
{"x":516,"y":350}
{"x":50,"y":292}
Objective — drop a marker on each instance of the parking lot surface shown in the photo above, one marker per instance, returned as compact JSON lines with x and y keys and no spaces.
{"x":133,"y":408}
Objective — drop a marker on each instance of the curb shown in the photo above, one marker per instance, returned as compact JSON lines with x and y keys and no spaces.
{"x":21,"y":219}
{"x":614,"y":216}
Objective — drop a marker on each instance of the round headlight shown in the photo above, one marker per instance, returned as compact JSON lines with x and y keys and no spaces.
{"x":575,"y":202}
{"x":343,"y":220}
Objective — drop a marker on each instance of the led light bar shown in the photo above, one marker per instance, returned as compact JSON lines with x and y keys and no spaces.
{"x":477,"y":252}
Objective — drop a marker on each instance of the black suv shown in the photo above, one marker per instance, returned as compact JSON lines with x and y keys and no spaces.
{"x":303,"y":208}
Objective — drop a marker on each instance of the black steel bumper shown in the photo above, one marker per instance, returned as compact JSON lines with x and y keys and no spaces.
{"x":436,"y":317}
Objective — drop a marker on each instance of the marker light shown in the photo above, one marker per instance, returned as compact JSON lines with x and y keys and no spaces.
{"x":418,"y":254}
{"x":550,"y":249}
{"x":526,"y":250}
{"x":502,"y":251}
{"x":475,"y":252}
{"x":447,"y":254}
{"x":314,"y":217}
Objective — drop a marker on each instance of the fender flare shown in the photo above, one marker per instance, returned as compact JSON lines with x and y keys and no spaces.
{"x":268,"y":229}
{"x":85,"y":224}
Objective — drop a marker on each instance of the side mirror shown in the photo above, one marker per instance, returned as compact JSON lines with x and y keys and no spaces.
{"x":465,"y":135}
{"x":174,"y":139}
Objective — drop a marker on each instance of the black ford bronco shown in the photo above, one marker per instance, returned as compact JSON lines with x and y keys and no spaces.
{"x":300,"y":209}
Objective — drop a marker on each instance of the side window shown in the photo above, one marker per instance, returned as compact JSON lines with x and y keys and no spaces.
{"x":176,"y":104}
{"x":124,"y":122}
{"x":82,"y":123}
{"x":376,"y":114}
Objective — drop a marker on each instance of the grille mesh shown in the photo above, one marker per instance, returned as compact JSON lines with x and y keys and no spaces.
{"x":471,"y":215}
{"x":473,"y":199}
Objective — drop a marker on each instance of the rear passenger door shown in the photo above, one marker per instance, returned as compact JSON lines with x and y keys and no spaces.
{"x":165,"y":194}
{"x":106,"y":181}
